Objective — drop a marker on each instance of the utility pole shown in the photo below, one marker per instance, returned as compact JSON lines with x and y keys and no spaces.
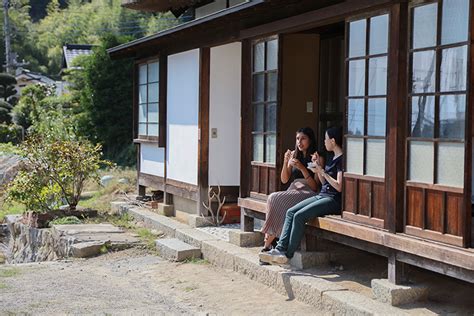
{"x":6,"y":32}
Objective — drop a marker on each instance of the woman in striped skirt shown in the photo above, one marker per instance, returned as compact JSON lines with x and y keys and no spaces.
{"x":304,"y":185}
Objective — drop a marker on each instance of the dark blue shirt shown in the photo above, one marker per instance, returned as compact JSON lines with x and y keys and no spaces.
{"x":297,"y":174}
{"x":332,"y":168}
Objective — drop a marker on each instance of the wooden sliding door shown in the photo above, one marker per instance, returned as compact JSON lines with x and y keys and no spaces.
{"x":264,"y":107}
{"x":437,"y":148}
{"x":367,"y":44}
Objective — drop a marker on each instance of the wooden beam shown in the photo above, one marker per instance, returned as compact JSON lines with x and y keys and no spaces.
{"x":460,"y":257}
{"x":162,"y":100}
{"x":314,"y":18}
{"x":253,"y":204}
{"x":151,"y":181}
{"x":203,"y":129}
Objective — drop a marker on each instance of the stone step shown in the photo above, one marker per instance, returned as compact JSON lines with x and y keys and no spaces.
{"x":176,"y":250}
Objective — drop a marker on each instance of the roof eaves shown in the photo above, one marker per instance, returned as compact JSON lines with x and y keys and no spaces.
{"x":185,"y":26}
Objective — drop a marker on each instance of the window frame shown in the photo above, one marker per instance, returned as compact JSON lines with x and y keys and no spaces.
{"x":366,"y":96}
{"x":436,"y":94}
{"x":265,"y":103}
{"x":160,"y":139}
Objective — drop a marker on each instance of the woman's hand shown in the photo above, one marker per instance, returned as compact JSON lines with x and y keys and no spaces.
{"x":297,"y":164}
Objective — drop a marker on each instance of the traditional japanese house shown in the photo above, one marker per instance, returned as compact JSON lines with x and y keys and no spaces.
{"x":218,"y":100}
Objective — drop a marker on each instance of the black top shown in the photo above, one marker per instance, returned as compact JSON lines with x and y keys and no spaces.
{"x":332,"y":168}
{"x":297,"y":174}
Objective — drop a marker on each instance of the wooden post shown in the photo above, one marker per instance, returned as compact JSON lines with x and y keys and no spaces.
{"x":396,"y":269}
{"x":396,"y":117}
{"x":203,"y":128}
{"x":245,"y":120}
{"x":246,"y":222}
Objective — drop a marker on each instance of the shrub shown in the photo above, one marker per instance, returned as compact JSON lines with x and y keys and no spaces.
{"x":10,"y":133}
{"x":55,"y":171}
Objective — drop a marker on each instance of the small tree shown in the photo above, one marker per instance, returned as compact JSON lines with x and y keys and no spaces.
{"x":54,"y":169}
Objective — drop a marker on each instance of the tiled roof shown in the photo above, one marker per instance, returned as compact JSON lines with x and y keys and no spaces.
{"x":71,"y":51}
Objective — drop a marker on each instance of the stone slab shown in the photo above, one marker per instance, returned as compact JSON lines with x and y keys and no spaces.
{"x":87,"y":229}
{"x":307,"y":259}
{"x":193,"y":237}
{"x":165,"y":209}
{"x":221,"y":253}
{"x":115,"y":206}
{"x":270,"y":275}
{"x":396,"y":295}
{"x":176,"y":250}
{"x":162,"y":223}
{"x":246,"y":239}
{"x":87,"y":249}
{"x":351,"y":303}
{"x":198,"y":221}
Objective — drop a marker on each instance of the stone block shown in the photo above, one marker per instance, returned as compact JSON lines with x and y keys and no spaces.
{"x":115,"y":206}
{"x":152,"y":220}
{"x":308,"y":289}
{"x":181,"y":216}
{"x":396,"y":295}
{"x":221,"y":253}
{"x":270,"y":275}
{"x":198,"y":221}
{"x":307,"y":259}
{"x":87,"y":249}
{"x":193,"y":237}
{"x":165,"y":209}
{"x":246,"y":239}
{"x":352,"y":303}
{"x":175,"y":250}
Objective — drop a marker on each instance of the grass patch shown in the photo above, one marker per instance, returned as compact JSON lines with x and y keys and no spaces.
{"x":196,"y":261}
{"x":11,"y":208}
{"x":9,"y":272}
{"x":147,"y":237}
{"x":68,"y":220}
{"x":3,"y":286}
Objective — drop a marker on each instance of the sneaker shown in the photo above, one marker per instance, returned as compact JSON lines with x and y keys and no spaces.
{"x":273,"y":256}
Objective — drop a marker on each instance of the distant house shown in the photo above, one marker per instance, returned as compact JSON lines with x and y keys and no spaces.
{"x":71,"y":51}
{"x":218,"y":100}
{"x":25,"y":77}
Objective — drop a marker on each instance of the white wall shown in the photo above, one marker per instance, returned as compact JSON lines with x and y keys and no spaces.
{"x":182,"y":117}
{"x":152,"y":160}
{"x":224,"y":109}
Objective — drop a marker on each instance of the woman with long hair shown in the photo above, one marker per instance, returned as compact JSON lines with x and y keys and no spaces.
{"x":304,"y":185}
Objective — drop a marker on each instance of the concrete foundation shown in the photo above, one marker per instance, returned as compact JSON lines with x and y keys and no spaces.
{"x":396,"y":295}
{"x":198,"y":221}
{"x":165,"y":209}
{"x":307,"y":259}
{"x":246,"y":239}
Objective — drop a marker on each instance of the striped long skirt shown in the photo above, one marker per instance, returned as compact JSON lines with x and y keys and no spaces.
{"x":279,"y":202}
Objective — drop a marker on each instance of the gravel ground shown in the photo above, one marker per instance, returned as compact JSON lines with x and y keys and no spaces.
{"x":135,"y":282}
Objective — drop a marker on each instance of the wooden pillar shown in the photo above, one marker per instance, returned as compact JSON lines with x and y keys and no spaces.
{"x":246,"y":222}
{"x":397,"y":273}
{"x":246,"y":120}
{"x":396,"y":117}
{"x":203,"y":128}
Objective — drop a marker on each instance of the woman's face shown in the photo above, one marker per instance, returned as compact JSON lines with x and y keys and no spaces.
{"x":329,"y":143}
{"x":302,"y":142}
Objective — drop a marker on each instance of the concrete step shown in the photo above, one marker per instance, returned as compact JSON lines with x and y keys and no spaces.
{"x":176,"y":250}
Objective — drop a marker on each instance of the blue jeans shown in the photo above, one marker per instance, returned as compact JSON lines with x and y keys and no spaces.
{"x":299,"y":215}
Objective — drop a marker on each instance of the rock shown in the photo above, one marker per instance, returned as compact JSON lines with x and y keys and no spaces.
{"x":123,"y":181}
{"x":9,"y":167}
{"x":105,"y":180}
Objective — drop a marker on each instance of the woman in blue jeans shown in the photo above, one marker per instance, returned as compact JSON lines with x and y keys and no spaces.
{"x":327,"y":202}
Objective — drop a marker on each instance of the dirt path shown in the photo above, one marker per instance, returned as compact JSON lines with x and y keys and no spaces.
{"x":135,"y":282}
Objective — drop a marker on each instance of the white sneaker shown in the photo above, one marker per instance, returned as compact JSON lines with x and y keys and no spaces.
{"x":274,"y":256}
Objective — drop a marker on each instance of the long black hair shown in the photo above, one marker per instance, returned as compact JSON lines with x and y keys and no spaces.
{"x":336,"y":133}
{"x":308,"y":131}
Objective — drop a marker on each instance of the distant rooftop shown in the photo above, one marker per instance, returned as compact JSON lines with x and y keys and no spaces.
{"x":71,"y":51}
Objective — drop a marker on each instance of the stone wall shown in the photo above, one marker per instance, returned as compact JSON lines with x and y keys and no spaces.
{"x":29,"y":244}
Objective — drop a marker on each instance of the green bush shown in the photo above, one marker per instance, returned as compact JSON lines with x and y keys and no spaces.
{"x":55,"y":170}
{"x":68,"y":220}
{"x":10,"y":133}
